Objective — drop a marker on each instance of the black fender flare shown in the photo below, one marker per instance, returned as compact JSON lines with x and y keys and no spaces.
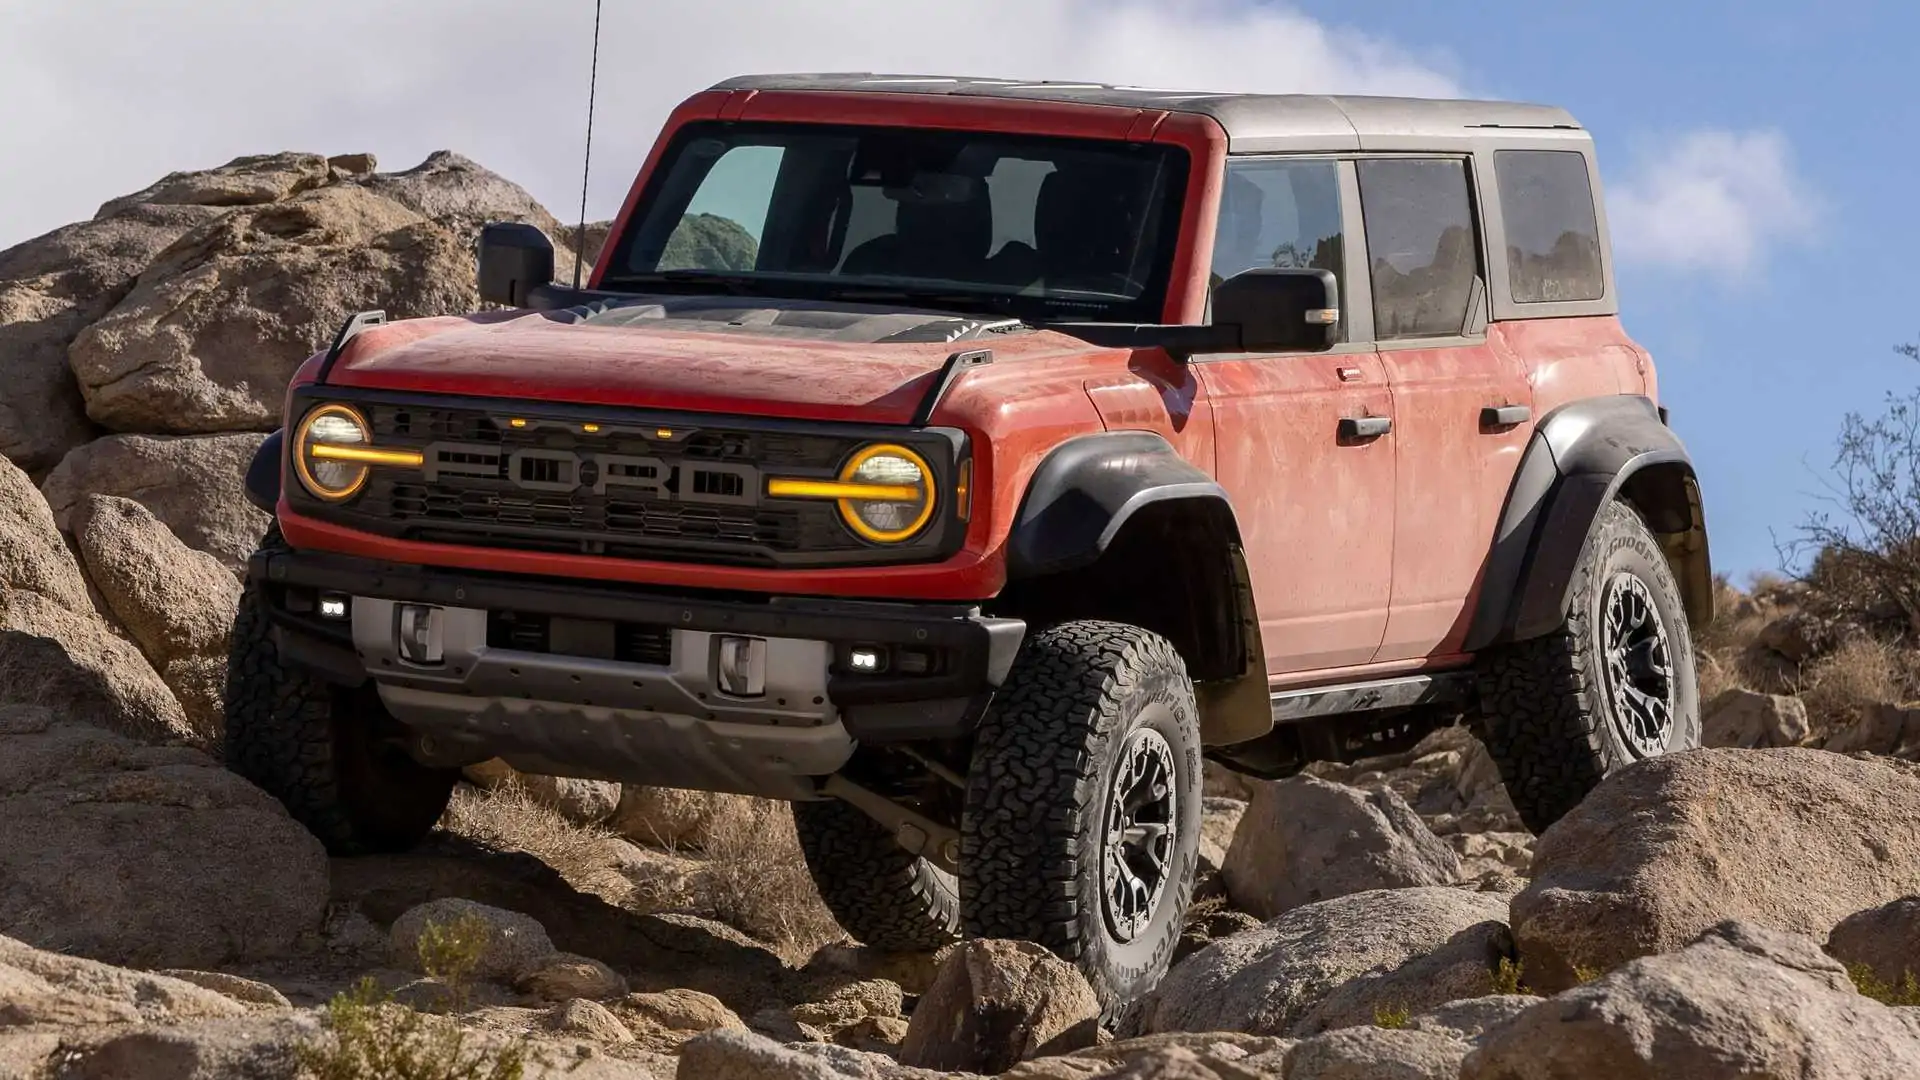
{"x":263,"y":472}
{"x":1087,"y":488}
{"x":1582,"y":456}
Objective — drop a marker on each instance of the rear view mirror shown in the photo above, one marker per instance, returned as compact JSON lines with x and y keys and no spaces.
{"x":515,"y":259}
{"x":1280,"y":310}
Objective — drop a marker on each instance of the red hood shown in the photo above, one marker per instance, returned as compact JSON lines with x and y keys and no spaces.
{"x":531,"y":356}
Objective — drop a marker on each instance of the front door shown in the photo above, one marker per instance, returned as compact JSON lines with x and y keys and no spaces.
{"x":1299,"y":439}
{"x":1462,"y":408}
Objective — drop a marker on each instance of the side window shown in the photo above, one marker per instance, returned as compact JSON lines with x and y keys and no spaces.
{"x":1420,"y":239}
{"x":724,"y":222}
{"x":1553,"y":242}
{"x":1276,"y":212}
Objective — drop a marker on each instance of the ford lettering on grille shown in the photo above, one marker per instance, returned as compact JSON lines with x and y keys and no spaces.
{"x":539,"y":469}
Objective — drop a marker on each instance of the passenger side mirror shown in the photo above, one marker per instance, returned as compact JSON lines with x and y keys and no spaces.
{"x":1280,"y":310}
{"x":515,"y":259}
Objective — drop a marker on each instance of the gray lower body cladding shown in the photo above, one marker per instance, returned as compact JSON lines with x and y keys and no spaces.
{"x":760,"y":696}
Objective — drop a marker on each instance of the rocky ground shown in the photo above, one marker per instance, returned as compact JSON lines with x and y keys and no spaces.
{"x":1747,"y":911}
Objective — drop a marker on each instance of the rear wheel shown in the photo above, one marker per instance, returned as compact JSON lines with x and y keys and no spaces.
{"x":879,"y":892}
{"x":1082,"y":822}
{"x":1614,"y":684}
{"x":332,"y":756}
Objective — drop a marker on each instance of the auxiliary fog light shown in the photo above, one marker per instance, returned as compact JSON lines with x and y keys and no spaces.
{"x":867,"y":661}
{"x":333,"y":607}
{"x":418,"y":633}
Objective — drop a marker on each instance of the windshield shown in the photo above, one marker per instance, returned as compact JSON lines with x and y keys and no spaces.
{"x":1036,"y":228}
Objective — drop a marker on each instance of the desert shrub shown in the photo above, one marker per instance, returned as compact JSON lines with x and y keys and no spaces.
{"x":1904,"y":992}
{"x":1842,"y":686}
{"x":1865,"y":546}
{"x":754,"y":878}
{"x":1391,"y":1016}
{"x":370,"y":1037}
{"x":1508,"y":977}
{"x":451,"y":952}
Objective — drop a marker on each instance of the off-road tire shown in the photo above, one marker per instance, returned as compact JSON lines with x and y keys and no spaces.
{"x":884,"y":895}
{"x":1045,"y":760}
{"x":1547,"y":716}
{"x":324,"y":751}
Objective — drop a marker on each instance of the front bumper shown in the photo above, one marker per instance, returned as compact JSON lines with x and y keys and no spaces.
{"x":623,"y":683}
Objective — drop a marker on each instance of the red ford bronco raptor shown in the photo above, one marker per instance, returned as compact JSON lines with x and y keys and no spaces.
{"x":966,"y":462}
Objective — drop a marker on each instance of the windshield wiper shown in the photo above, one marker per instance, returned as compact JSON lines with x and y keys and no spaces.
{"x":733,"y":283}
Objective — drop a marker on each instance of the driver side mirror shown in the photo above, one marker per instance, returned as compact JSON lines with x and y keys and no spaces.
{"x":1280,"y":309}
{"x":515,"y":259}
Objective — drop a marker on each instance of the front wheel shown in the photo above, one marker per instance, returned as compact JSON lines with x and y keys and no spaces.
{"x":1082,"y":824}
{"x":1614,"y":684}
{"x":332,"y":756}
{"x":884,"y":895}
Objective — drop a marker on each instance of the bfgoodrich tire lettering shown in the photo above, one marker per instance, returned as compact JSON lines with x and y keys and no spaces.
{"x":885,"y":896}
{"x":1554,"y":713}
{"x":322,"y":750}
{"x":1035,"y":833}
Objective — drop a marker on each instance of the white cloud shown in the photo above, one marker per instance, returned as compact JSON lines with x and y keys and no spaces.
{"x":1712,"y":201}
{"x":105,"y":96}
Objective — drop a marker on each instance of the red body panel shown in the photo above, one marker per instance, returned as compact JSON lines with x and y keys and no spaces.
{"x":1451,"y":486}
{"x":1316,"y":516}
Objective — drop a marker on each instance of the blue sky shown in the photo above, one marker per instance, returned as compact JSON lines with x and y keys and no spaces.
{"x":1759,"y":156}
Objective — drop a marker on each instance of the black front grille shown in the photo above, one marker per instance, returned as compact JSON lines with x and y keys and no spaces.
{"x":619,"y":483}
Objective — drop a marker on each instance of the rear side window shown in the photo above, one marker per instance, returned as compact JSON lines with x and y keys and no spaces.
{"x":1420,"y":240}
{"x":1553,"y":242}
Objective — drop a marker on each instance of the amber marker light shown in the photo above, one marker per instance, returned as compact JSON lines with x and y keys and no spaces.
{"x":363,"y":455}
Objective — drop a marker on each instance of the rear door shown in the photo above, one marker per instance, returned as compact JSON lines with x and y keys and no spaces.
{"x":1315,"y":507}
{"x":1462,"y":407}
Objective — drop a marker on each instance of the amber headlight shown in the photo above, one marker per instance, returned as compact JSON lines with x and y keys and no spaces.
{"x":333,"y":455}
{"x":885,"y":493}
{"x":898,"y":498}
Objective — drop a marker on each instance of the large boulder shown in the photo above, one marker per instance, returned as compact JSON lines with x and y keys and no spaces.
{"x":1334,"y":964}
{"x":1742,"y":1003}
{"x":1790,"y":839}
{"x":177,"y":603}
{"x":208,"y":337}
{"x":146,"y":856}
{"x":730,"y":1054}
{"x":245,"y":181}
{"x":1304,"y":839}
{"x":50,"y":654}
{"x":33,"y":557}
{"x":496,"y":944}
{"x":1751,"y":720}
{"x":54,"y":648}
{"x":1882,"y":728}
{"x":1373,"y":1053}
{"x":1884,"y":940}
{"x":195,"y":486}
{"x":40,"y":987}
{"x":51,"y":288}
{"x":993,"y":1004}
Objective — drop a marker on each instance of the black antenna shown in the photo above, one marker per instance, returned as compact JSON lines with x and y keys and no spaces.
{"x":586,"y":167}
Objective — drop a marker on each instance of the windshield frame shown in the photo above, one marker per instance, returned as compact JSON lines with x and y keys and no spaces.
{"x":1168,"y":263}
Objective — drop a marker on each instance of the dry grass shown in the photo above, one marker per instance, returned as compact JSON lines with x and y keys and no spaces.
{"x":1841,"y":687}
{"x":752,"y":876}
{"x":749,"y":874}
{"x":1906,"y":992}
{"x":507,"y":817}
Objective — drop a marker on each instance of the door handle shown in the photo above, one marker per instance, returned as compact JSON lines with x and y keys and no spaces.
{"x":1355,"y":428}
{"x":1504,"y":416}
